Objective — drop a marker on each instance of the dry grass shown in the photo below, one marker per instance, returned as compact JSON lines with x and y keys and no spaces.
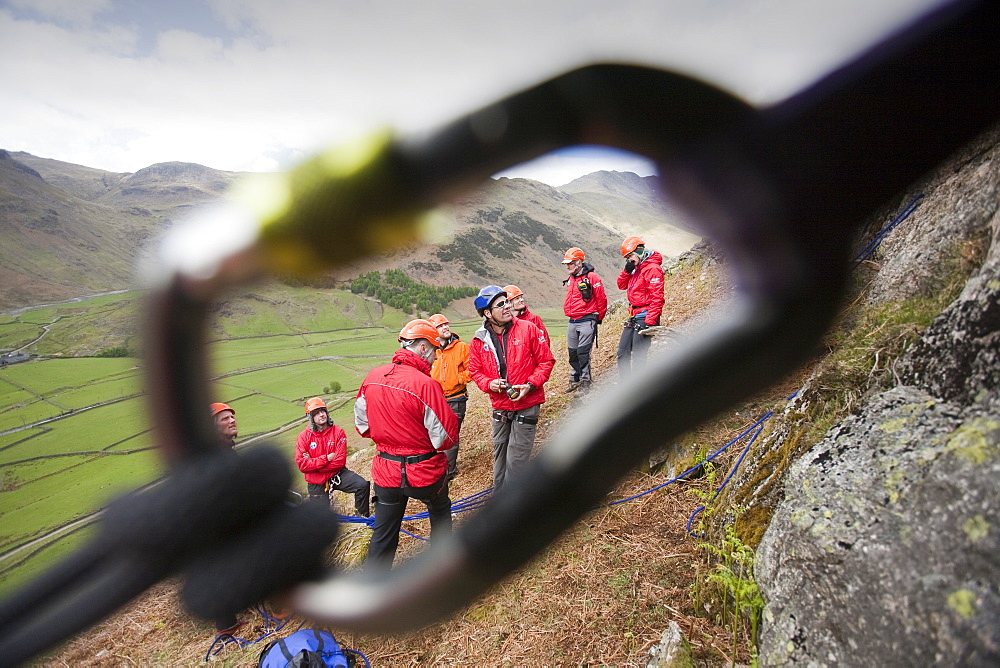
{"x":600,"y":595}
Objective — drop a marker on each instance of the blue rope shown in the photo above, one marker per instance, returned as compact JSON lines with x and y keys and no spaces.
{"x":877,"y":239}
{"x":467,"y":503}
{"x":226,"y":639}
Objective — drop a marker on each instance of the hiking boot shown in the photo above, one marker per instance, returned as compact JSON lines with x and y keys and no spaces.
{"x":231,"y":631}
{"x":573,"y":384}
{"x":584,"y":387}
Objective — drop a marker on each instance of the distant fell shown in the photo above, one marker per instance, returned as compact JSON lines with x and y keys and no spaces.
{"x":71,"y":230}
{"x":634,"y":204}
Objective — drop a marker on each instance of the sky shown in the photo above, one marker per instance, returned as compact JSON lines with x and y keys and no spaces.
{"x":258,"y":85}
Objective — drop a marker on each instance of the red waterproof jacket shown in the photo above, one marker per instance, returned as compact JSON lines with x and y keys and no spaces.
{"x":402,"y":409}
{"x":574,"y":305}
{"x":311,"y":449}
{"x":533,"y":318}
{"x":644,"y":288}
{"x":528,"y":358}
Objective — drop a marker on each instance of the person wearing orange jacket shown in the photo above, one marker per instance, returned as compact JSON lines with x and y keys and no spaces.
{"x":510,"y":360}
{"x":585,"y":305}
{"x":451,"y":370}
{"x":321,"y":455}
{"x":519,"y":306}
{"x":642,"y":280}
{"x":402,"y":409}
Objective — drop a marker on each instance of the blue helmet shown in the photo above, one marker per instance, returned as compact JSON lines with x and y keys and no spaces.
{"x":487,"y":295}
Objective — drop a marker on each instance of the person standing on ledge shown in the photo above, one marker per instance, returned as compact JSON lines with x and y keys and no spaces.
{"x":403,"y":410}
{"x":519,"y":306}
{"x":642,"y":280}
{"x":510,"y":360}
{"x":585,"y":305}
{"x":451,"y":370}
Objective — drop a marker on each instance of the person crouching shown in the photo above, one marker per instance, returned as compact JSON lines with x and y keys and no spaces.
{"x":321,"y":455}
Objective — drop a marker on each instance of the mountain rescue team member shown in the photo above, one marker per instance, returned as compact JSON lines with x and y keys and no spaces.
{"x":224,"y":418}
{"x":519,"y":307}
{"x":511,"y":361}
{"x":585,"y":305}
{"x":451,"y":370}
{"x":402,"y":409}
{"x":225,"y":424}
{"x":642,"y":280}
{"x":321,"y":455}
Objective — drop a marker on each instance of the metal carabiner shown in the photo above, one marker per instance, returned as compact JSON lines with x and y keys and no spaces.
{"x":782,"y":190}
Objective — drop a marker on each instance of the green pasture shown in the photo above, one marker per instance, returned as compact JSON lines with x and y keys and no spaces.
{"x":12,"y":395}
{"x":14,"y":334}
{"x":53,"y":497}
{"x":82,"y":437}
{"x":50,"y":376}
{"x":32,"y":561}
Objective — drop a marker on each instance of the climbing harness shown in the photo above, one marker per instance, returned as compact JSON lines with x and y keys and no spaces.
{"x":780,"y":189}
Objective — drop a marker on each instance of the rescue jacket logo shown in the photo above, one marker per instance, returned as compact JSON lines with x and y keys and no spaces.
{"x":312,"y":446}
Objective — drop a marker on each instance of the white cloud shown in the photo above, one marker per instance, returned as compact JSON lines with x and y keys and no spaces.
{"x":294,"y":74}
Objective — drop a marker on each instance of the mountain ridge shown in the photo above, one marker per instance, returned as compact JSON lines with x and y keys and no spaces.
{"x":507,"y":231}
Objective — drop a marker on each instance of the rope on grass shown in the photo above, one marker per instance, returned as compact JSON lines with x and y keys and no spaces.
{"x":467,"y":503}
{"x":271,"y":626}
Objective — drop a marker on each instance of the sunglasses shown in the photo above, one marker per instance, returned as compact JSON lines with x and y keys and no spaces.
{"x":501,"y":303}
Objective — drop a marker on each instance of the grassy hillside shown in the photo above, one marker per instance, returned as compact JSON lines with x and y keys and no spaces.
{"x":71,"y":231}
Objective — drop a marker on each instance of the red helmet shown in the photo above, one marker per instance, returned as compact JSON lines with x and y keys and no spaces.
{"x":630,"y":244}
{"x":573,"y":253}
{"x":512,"y":291}
{"x":218,"y":407}
{"x":438,"y":319}
{"x":420,"y":329}
{"x":314,"y":404}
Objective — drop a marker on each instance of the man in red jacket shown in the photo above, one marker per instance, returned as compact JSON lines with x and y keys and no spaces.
{"x":510,"y":360}
{"x":519,"y":307}
{"x":585,"y":305}
{"x":321,"y":455}
{"x":642,"y":280}
{"x":402,"y":409}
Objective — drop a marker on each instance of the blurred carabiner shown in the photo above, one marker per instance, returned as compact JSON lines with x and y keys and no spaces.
{"x":782,"y":190}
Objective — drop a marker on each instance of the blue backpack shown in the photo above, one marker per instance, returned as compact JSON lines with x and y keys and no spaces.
{"x":307,"y":648}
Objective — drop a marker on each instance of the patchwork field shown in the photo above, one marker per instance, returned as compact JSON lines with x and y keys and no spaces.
{"x":74,"y":431}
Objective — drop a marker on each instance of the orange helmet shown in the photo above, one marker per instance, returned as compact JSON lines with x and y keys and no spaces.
{"x":630,"y":244}
{"x":573,"y":253}
{"x":438,"y":319}
{"x":218,"y":407}
{"x":419,"y":329}
{"x":512,"y":291}
{"x":314,"y":404}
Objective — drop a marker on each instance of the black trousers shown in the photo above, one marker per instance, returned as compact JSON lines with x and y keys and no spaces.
{"x":345,"y":481}
{"x":390,"y":507}
{"x":457,"y":406}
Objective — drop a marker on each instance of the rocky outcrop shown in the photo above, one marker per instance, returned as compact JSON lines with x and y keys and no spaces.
{"x":885,"y":549}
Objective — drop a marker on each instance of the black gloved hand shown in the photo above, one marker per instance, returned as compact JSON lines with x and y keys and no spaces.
{"x":630,"y":266}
